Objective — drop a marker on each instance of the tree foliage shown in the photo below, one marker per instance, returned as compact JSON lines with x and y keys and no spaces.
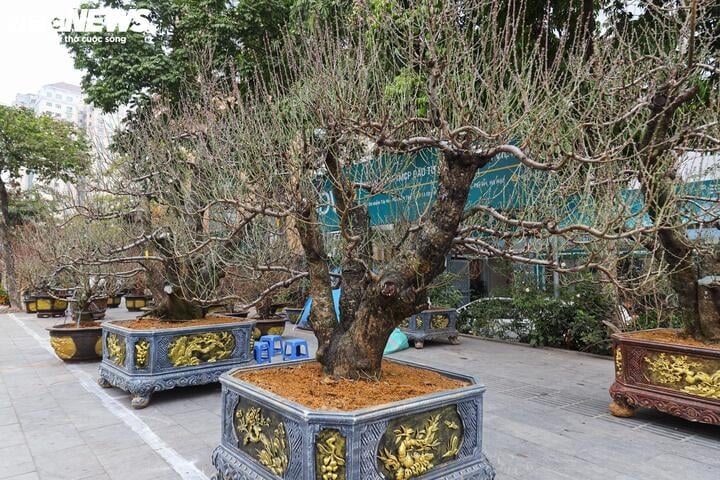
{"x":50,"y":148}
{"x":233,"y":35}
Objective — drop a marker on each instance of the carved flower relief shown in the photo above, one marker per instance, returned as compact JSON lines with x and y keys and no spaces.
{"x":263,"y":437}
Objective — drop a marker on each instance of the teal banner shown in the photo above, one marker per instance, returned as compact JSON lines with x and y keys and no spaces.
{"x":406,"y":187}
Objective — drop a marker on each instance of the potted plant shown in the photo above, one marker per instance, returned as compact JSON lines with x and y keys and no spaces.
{"x":49,"y":304}
{"x":440,"y":319}
{"x":80,"y":339}
{"x":115,"y":289}
{"x":30,"y":303}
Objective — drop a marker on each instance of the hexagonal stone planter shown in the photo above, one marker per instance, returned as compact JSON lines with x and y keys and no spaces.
{"x":431,"y":324}
{"x":682,"y":380}
{"x":267,"y":437}
{"x":145,"y":361}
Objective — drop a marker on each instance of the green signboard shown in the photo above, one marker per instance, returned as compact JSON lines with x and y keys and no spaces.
{"x":408,"y":184}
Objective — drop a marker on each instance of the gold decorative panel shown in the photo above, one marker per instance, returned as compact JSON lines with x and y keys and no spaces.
{"x":263,"y":437}
{"x":414,"y":445}
{"x":115,"y":348}
{"x":43,"y":304}
{"x":201,"y":348}
{"x":330,"y":455}
{"x":142,"y":353}
{"x":64,"y":347}
{"x":694,"y":376}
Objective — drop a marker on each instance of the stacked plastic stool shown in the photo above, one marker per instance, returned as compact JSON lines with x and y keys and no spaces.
{"x":295,"y":349}
{"x":275,"y":342}
{"x":261,"y":352}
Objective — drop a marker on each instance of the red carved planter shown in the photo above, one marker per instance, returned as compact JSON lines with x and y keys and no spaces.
{"x":681,"y":380}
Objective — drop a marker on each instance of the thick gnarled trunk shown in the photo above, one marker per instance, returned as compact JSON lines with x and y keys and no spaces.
{"x":377,"y":302}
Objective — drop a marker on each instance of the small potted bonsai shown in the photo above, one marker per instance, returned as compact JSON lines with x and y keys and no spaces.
{"x":30,"y":302}
{"x":50,"y":302}
{"x":136,"y":298}
{"x":80,"y":339}
{"x":439,"y":320}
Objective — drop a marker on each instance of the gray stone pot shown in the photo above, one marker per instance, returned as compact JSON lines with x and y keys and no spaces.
{"x":145,"y":361}
{"x":431,"y":324}
{"x":266,"y":437}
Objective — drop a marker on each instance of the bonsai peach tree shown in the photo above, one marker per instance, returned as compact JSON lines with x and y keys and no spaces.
{"x":241,"y":183}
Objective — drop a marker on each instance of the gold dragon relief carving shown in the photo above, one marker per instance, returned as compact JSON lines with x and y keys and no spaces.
{"x":681,"y":373}
{"x":330,"y":447}
{"x":200,"y":348}
{"x":116,"y":348}
{"x":419,"y":443}
{"x":254,"y":429}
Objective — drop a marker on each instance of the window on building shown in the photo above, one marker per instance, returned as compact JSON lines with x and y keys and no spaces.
{"x":69,"y":99}
{"x":58,"y":96}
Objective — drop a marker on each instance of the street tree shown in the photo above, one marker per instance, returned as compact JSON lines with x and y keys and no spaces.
{"x":52,"y":150}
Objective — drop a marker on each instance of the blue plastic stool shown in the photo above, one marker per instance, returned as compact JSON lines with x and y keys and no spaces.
{"x":275,"y":342}
{"x":261,"y":352}
{"x":293,"y":349}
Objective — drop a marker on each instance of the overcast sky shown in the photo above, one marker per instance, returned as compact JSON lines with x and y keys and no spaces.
{"x":30,"y":51}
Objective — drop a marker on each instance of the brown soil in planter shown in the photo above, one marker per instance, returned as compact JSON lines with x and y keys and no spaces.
{"x":75,"y":325}
{"x":306,"y":385}
{"x":669,"y":335}
{"x":149,"y":323}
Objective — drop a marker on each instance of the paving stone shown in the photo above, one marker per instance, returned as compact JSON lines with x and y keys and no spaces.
{"x":11,"y":435}
{"x":7,"y":416}
{"x":16,"y":461}
{"x":69,"y":464}
{"x":144,"y":464}
{"x":46,"y":440}
{"x":110,"y":438}
{"x":25,"y":476}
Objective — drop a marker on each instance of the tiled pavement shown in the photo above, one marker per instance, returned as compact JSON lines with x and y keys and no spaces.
{"x":545,"y":418}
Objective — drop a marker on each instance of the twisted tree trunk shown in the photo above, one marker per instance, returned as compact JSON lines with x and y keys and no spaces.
{"x":377,"y":302}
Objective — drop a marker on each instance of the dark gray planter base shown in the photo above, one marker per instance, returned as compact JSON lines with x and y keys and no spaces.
{"x":142,"y":388}
{"x":267,"y":437}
